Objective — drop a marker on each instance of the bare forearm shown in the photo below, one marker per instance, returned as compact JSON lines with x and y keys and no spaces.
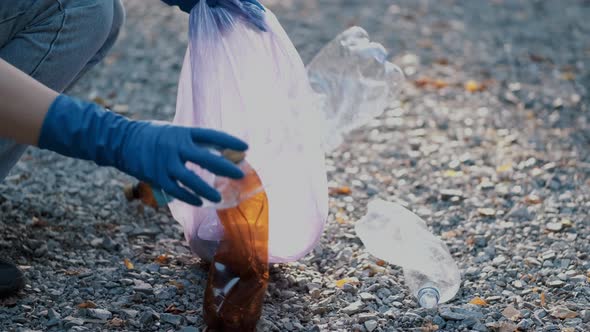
{"x":23,"y":105}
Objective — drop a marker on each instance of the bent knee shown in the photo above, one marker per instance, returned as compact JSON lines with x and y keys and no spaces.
{"x":93,"y":20}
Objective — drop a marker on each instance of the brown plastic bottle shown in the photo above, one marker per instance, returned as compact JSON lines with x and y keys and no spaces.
{"x":238,"y":276}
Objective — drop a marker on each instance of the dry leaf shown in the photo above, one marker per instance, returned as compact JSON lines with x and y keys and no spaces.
{"x":72,"y":272}
{"x":543,"y":300}
{"x":39,"y":222}
{"x":340,"y":191}
{"x":381,"y":262}
{"x":479,"y":301}
{"x":429,"y":327}
{"x":116,"y":322}
{"x":568,"y":76}
{"x":449,"y":235}
{"x":452,"y":173}
{"x":537,"y":58}
{"x":511,"y":313}
{"x":172,"y":309}
{"x":504,"y":168}
{"x":340,"y":220}
{"x":472,"y":86}
{"x":162,"y":259}
{"x":563,"y":312}
{"x":101,"y":102}
{"x":340,"y":283}
{"x":176,"y":284}
{"x":428,"y":82}
{"x":128,"y":264}
{"x":440,"y":84}
{"x":532,"y":199}
{"x":422,"y":82}
{"x":87,"y":305}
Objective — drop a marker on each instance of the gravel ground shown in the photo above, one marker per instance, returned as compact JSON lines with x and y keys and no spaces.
{"x":501,"y":173}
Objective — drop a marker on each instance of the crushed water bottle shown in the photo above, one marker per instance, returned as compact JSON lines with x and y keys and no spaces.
{"x":398,"y":236}
{"x":354,"y":82}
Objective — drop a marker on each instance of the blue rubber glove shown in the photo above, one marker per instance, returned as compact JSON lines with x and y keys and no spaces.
{"x":224,"y":11}
{"x":184,"y":5}
{"x":187,"y":5}
{"x":152,"y":153}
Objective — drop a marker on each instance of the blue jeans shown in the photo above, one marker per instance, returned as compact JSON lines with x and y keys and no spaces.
{"x":55,"y":42}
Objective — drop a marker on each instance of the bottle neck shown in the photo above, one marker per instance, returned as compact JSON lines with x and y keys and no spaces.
{"x":428,"y":297}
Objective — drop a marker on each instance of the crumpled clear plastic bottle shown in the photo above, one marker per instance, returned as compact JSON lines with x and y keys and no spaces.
{"x":398,"y":236}
{"x":354,"y":83}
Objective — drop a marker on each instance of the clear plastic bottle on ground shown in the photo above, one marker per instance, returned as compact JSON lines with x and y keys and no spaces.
{"x":398,"y":236}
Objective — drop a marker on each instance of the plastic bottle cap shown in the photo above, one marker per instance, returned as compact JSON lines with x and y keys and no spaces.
{"x":428,"y":297}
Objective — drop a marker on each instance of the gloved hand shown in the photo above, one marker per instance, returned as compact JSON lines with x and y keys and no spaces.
{"x":184,"y":5}
{"x":152,"y":153}
{"x":187,"y":5}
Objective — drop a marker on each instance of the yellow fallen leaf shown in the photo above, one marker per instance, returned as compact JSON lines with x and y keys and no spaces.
{"x":340,"y":283}
{"x":452,"y":174}
{"x":504,"y":168}
{"x":128,"y":264}
{"x":472,"y":86}
{"x":543,"y":300}
{"x":479,"y":301}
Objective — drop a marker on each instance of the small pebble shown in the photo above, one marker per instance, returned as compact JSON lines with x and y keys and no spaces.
{"x":371,"y":325}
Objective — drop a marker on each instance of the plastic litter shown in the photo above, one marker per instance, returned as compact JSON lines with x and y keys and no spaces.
{"x":238,"y":275}
{"x":354,"y":83}
{"x":392,"y":233}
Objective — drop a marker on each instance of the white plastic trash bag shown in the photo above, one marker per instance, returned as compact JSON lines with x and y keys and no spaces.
{"x":253,"y":85}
